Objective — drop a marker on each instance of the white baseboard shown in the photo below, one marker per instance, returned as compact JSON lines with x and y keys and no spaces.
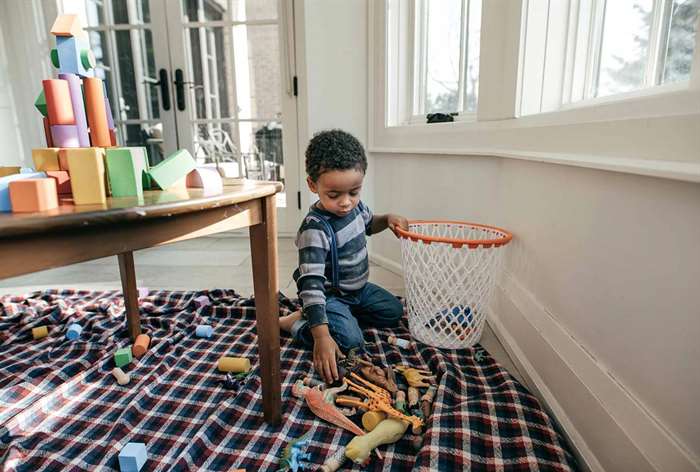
{"x":608,"y":427}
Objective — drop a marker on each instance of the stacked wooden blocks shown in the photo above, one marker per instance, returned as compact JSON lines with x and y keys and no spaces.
{"x":81,"y":158}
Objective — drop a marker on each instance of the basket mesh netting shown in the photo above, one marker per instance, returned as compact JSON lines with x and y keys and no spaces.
{"x":450,"y":270}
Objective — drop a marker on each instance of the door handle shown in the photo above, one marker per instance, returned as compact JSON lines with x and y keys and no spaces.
{"x":164,"y":92}
{"x":180,"y":89}
{"x":163,"y":83}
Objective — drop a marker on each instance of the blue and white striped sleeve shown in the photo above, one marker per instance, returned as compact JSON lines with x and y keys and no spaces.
{"x":313,"y":245}
{"x":367,"y":217}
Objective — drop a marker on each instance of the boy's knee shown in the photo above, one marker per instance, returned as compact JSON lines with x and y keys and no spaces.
{"x":391,"y":313}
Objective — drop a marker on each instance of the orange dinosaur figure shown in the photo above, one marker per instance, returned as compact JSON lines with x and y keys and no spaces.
{"x":377,"y":399}
{"x":328,"y":412}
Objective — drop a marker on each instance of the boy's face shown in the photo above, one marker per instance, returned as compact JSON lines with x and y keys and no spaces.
{"x":338,"y":190}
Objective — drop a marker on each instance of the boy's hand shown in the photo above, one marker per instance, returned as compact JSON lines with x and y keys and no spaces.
{"x":325,"y":352}
{"x":397,"y":221}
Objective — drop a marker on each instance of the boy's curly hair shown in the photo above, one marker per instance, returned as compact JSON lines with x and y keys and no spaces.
{"x":334,"y":149}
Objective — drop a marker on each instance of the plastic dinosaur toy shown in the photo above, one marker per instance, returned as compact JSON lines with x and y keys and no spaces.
{"x":426,"y":401}
{"x":376,"y":399}
{"x":314,"y":399}
{"x":388,"y":431}
{"x":293,"y":455}
{"x":416,"y":377}
{"x":377,"y":376}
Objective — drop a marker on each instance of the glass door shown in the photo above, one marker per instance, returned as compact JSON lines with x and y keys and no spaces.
{"x":234,"y":95}
{"x":123,"y":34}
{"x":211,"y":76}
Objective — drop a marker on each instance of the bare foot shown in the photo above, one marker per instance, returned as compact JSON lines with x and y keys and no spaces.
{"x":286,"y":322}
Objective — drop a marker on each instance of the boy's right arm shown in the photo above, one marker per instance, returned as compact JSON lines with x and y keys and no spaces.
{"x":313,"y":247}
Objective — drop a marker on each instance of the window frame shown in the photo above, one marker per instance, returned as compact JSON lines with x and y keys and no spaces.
{"x":643,"y":121}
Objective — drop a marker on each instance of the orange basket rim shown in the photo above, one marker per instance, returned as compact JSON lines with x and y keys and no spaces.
{"x":457,"y":243}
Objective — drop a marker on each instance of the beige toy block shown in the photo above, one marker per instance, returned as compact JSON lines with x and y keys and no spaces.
{"x":12,"y":170}
{"x":45,"y":159}
{"x":66,"y":25}
{"x":87,"y":175}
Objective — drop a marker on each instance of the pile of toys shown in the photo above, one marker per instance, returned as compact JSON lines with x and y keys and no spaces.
{"x":387,"y":406}
{"x":82,"y":160}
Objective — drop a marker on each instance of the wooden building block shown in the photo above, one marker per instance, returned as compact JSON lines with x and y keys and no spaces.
{"x":96,"y":113}
{"x":9,"y":170}
{"x":73,"y":331}
{"x":32,"y":195}
{"x":65,"y":136}
{"x":76,"y":97}
{"x":205,"y":178}
{"x":125,"y":169}
{"x":140,"y":345}
{"x":40,"y":332}
{"x":5,"y":203}
{"x":132,"y":457}
{"x":62,"y":178}
{"x":234,"y":364}
{"x":40,"y":103}
{"x":122,"y":378}
{"x":47,"y":132}
{"x":87,"y":175}
{"x":59,"y":107}
{"x":66,"y":25}
{"x":173,"y":169}
{"x":122,"y":357}
{"x":45,"y":159}
{"x":74,"y":56}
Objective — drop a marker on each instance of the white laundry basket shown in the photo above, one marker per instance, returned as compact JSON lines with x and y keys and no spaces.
{"x":450,"y":270}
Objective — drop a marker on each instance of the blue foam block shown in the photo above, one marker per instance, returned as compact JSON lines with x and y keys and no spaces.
{"x":69,"y":48}
{"x":132,"y":457}
{"x":74,"y":330}
{"x":204,"y":331}
{"x":5,"y":204}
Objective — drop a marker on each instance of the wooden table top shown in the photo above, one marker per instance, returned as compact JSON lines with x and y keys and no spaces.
{"x":118,"y":210}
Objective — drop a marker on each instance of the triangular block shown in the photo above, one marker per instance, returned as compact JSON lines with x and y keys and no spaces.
{"x":40,"y":103}
{"x":66,"y":25}
{"x":173,"y":169}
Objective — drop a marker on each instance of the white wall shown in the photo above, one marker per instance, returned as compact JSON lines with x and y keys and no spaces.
{"x":335,"y":82}
{"x":24,"y":63}
{"x":613,"y":259}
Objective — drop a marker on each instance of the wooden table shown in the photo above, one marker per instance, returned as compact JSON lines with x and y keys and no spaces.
{"x":30,"y":242}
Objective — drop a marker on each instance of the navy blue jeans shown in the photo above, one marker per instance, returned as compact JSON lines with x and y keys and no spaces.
{"x":370,"y":306}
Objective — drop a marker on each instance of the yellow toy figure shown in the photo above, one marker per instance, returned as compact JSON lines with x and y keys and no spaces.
{"x":388,"y":431}
{"x":416,"y":377}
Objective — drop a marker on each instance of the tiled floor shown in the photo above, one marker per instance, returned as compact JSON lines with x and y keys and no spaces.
{"x":204,"y":263}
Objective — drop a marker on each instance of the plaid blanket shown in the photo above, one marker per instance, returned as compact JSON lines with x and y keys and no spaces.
{"x":60,"y":407}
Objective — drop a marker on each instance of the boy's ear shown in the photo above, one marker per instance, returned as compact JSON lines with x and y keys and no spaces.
{"x":311,"y":184}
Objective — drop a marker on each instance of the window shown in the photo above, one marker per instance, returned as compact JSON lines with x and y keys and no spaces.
{"x":575,"y":50}
{"x":435,"y":58}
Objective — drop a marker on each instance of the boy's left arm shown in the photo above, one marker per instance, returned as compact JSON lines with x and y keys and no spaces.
{"x":381,"y":222}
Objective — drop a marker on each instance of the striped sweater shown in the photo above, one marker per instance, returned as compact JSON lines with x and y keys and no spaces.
{"x":314,"y":274}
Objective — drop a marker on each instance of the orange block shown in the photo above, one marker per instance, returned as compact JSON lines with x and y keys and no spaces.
{"x":87,"y":175}
{"x":30,"y":195}
{"x":96,"y":112}
{"x":4,"y":171}
{"x":62,"y":179}
{"x":58,"y":102}
{"x":66,"y":25}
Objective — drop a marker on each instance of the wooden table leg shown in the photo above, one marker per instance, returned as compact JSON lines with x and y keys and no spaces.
{"x":263,"y":245}
{"x":131,"y":294}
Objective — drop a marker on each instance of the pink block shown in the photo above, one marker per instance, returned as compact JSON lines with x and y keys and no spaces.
{"x":65,"y":136}
{"x":202,"y":301}
{"x":205,"y":178}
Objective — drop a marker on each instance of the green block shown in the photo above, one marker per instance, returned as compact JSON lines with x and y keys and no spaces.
{"x":125,"y":169}
{"x":54,"y":58}
{"x":40,"y":104}
{"x":175,"y":167}
{"x":122,"y":357}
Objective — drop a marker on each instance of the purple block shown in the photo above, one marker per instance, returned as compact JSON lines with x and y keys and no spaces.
{"x":76,"y":98}
{"x":143,"y":292}
{"x":108,"y":108}
{"x":65,"y":136}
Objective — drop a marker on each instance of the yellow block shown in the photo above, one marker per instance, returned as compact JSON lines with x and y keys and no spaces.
{"x":234,"y":364}
{"x":45,"y":159}
{"x":5,"y":171}
{"x":40,"y":332}
{"x":87,"y":175}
